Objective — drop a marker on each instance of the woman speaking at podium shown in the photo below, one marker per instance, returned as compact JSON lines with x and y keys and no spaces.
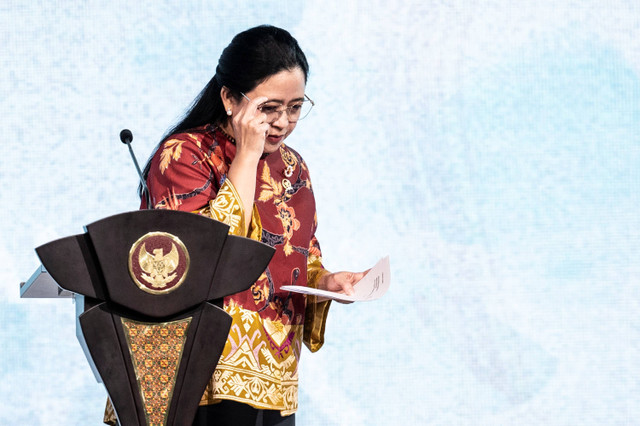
{"x":227,"y":159}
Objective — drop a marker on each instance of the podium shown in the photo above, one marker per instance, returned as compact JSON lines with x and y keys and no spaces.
{"x":150,"y":285}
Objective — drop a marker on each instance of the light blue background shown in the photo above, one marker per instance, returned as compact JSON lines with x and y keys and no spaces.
{"x":491,"y":148}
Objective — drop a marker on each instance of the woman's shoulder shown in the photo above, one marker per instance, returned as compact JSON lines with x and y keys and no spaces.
{"x":188,"y":148}
{"x":196,"y":137}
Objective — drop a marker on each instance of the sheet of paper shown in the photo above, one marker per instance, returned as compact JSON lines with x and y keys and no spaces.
{"x":371,"y":287}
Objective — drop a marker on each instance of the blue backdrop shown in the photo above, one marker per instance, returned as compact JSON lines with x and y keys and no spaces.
{"x":490,"y":148}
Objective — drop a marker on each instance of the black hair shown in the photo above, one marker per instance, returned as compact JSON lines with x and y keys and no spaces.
{"x":252,"y":56}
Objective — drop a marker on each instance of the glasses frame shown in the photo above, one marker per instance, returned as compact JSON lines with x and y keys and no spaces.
{"x":284,"y":108}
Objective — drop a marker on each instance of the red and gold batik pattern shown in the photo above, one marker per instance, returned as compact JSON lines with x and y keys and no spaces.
{"x":259,"y":364}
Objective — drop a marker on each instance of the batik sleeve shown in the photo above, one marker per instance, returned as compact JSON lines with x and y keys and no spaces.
{"x":188,"y":174}
{"x":316,"y":312}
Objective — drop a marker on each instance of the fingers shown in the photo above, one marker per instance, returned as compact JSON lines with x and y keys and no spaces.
{"x":256,"y":102}
{"x":250,"y":126}
{"x":251,"y":109}
{"x":357,"y":276}
{"x":346,"y":282}
{"x":251,"y":114}
{"x":347,"y":288}
{"x":342,"y":282}
{"x":348,"y":279}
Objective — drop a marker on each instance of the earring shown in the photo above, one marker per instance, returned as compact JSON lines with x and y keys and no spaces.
{"x":229,"y":112}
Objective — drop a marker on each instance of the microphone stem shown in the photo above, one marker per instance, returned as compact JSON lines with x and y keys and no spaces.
{"x":142,"y":181}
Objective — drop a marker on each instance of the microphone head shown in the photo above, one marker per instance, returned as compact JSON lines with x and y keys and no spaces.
{"x":126,"y":136}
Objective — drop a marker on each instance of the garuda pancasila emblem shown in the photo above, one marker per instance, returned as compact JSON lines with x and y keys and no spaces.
{"x":158,"y":262}
{"x":159,"y":269}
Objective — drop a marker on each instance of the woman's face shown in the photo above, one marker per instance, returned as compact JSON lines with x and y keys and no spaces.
{"x":282,"y":89}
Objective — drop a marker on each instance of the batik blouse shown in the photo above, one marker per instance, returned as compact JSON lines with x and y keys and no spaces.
{"x":259,"y":364}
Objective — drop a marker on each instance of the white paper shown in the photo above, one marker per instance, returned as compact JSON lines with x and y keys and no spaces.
{"x":371,"y":287}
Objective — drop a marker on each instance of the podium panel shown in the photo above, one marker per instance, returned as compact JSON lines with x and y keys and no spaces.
{"x":152,"y":283}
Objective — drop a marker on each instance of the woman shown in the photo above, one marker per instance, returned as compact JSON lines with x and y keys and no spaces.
{"x":227,"y":160}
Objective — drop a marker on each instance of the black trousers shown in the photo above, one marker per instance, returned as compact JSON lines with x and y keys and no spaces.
{"x":231,"y":413}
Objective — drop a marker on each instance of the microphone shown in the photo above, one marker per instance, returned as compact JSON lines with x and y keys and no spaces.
{"x":126,"y":137}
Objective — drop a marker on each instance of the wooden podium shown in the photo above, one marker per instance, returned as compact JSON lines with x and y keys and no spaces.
{"x":151,"y":285}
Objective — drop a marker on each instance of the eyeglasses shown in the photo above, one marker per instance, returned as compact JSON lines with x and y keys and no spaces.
{"x":295,"y":112}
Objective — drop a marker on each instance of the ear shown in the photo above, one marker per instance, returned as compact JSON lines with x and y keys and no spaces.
{"x":227,"y":98}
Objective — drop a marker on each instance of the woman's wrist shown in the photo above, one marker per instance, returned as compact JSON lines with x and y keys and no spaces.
{"x":247,"y":157}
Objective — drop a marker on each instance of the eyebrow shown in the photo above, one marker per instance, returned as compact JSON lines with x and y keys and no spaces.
{"x":281,"y":102}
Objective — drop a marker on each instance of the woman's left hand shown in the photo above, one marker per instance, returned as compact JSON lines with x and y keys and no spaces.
{"x":340,"y":282}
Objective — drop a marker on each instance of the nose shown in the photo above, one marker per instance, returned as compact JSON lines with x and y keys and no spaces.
{"x":282,"y":121}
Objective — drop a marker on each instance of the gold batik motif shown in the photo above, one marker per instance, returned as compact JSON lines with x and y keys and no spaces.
{"x":226,"y":208}
{"x":316,"y":313}
{"x":259,"y":363}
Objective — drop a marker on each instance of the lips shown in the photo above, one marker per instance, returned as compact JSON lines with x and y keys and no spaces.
{"x":275,"y":138}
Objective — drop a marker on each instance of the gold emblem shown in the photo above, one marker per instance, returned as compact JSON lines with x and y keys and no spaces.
{"x":158,"y":262}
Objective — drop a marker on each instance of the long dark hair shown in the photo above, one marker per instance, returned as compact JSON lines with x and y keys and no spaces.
{"x":252,"y":56}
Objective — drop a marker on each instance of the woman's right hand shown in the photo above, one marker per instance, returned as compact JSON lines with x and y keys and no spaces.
{"x":250,"y":128}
